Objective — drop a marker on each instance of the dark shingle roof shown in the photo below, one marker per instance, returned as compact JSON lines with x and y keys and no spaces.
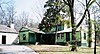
{"x":4,"y":28}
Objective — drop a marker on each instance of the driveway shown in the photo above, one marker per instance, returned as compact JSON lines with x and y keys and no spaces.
{"x":15,"y":49}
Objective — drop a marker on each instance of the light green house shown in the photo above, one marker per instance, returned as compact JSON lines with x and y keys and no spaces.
{"x":61,"y":35}
{"x":65,"y":36}
{"x":29,"y":35}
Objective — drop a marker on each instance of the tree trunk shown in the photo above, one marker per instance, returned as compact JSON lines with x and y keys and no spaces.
{"x":89,"y":32}
{"x":74,"y":43}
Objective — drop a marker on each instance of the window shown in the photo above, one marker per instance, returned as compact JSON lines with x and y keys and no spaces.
{"x":84,"y":35}
{"x":62,"y":35}
{"x":60,"y":28}
{"x":24,"y":37}
{"x":58,"y":36}
{"x":53,"y":29}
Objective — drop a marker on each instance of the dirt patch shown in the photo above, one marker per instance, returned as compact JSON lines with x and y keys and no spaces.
{"x":57,"y":49}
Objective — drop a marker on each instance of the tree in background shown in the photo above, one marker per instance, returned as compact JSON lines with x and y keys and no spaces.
{"x":10,"y":13}
{"x":7,"y":12}
{"x":38,"y":10}
{"x":52,"y":16}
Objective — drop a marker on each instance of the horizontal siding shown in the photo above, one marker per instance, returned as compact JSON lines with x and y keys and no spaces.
{"x":21,"y":37}
{"x":10,"y":37}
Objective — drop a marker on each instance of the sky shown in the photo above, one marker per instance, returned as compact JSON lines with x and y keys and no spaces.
{"x":32,"y":7}
{"x":35,"y":8}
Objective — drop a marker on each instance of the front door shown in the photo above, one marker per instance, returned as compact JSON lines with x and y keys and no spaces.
{"x":32,"y":38}
{"x":67,"y":37}
{"x":3,"y":39}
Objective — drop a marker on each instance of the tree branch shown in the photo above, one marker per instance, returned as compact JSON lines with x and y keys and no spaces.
{"x":81,"y":19}
{"x":72,"y":3}
{"x":87,"y":3}
{"x":81,"y":2}
{"x":66,"y":3}
{"x":2,"y":10}
{"x":98,"y":4}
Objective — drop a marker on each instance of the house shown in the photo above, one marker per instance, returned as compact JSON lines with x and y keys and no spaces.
{"x":61,"y":34}
{"x":29,"y":35}
{"x":60,"y":37}
{"x":65,"y":36}
{"x":8,"y":35}
{"x":85,"y":37}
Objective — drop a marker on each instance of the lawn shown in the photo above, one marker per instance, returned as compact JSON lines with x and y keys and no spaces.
{"x":57,"y":49}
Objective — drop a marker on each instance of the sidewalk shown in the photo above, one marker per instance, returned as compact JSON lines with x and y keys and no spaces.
{"x":16,"y":49}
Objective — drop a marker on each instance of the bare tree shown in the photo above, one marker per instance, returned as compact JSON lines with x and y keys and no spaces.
{"x":10,"y":13}
{"x":24,"y":18}
{"x":98,"y":2}
{"x":7,"y":12}
{"x":21,"y":20}
{"x":38,"y":10}
{"x":71,"y":5}
{"x":2,"y":12}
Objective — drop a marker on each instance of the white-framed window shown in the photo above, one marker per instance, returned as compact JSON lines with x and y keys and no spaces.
{"x":24,"y":36}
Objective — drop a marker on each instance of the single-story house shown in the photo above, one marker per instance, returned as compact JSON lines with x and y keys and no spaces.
{"x":29,"y":35}
{"x":8,"y":35}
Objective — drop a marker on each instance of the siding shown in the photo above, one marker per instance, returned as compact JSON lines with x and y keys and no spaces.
{"x":10,"y":37}
{"x":61,"y":39}
{"x":21,"y":37}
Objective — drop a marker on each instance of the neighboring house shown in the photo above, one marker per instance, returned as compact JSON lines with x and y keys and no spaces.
{"x":29,"y":35}
{"x":8,"y":35}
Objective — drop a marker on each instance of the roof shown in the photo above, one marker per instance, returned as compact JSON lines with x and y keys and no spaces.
{"x":67,"y":30}
{"x":34,"y":29}
{"x":4,"y":28}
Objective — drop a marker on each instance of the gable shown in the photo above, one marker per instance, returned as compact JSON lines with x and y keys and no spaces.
{"x":5,"y":29}
{"x":24,"y":29}
{"x":31,"y":30}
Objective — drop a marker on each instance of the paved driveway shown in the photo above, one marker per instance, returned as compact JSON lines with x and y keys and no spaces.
{"x":15,"y":49}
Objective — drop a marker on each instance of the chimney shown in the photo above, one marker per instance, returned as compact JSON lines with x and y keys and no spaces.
{"x":12,"y":26}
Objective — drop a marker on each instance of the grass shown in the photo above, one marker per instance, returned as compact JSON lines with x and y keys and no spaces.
{"x":56,"y":49}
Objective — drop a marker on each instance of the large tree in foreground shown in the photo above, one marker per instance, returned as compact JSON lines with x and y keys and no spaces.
{"x":71,"y":4}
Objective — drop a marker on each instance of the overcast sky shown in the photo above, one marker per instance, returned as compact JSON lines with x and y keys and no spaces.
{"x":32,"y":7}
